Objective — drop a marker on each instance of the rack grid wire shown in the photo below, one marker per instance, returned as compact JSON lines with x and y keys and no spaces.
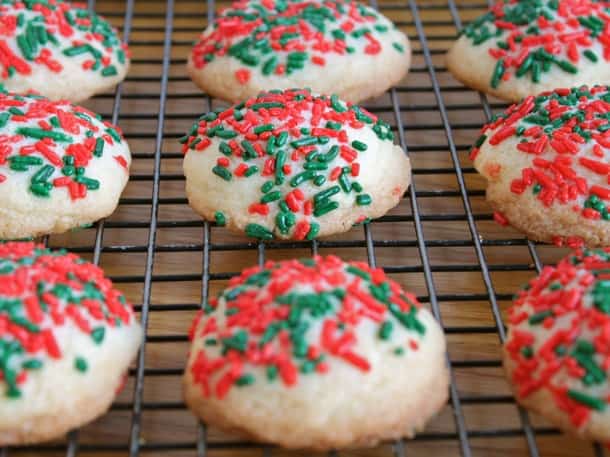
{"x":440,"y":242}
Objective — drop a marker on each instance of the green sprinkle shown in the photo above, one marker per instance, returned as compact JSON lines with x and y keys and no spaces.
{"x":321,"y":210}
{"x":245,"y":380}
{"x":590,"y":55}
{"x":40,"y":134}
{"x":359,"y":145}
{"x":222,"y":172}
{"x":81,"y":364}
{"x":271,"y":196}
{"x":540,"y":317}
{"x":336,"y":104}
{"x":99,"y":147}
{"x":385,"y":331}
{"x":263,"y":128}
{"x":258,"y":231}
{"x":220,"y":219}
{"x":97,"y":334}
{"x":32,"y":364}
{"x":497,"y":74}
{"x":363,"y":200}
{"x":272,"y":372}
{"x":587,"y":400}
{"x":109,"y":71}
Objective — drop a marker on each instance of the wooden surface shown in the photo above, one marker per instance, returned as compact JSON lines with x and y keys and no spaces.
{"x":489,"y":412}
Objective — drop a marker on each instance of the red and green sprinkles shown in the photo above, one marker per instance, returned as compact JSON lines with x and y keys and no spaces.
{"x":297,"y":141}
{"x":278,"y":37}
{"x":54,"y":144}
{"x":566,"y":135}
{"x":570,"y":305}
{"x":40,"y":33}
{"x":287,"y":319}
{"x":41,"y":292}
{"x":532,"y":37}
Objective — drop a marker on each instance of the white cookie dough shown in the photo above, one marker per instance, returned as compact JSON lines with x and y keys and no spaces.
{"x":317,"y":354}
{"x":292,"y":165}
{"x":333,"y":47}
{"x":58,"y":50}
{"x":60,"y":166}
{"x":67,"y":338}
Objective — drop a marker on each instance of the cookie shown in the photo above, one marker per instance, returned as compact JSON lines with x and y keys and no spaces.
{"x":293,"y":165}
{"x":333,"y":47}
{"x":546,"y":165}
{"x":58,"y":50}
{"x":316,"y":353}
{"x":522,"y":48}
{"x":557,"y":354}
{"x":61,"y":166}
{"x":66,"y":338}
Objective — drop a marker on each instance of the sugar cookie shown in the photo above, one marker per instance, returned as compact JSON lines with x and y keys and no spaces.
{"x":316,"y":353}
{"x":333,"y":47}
{"x":58,"y":50}
{"x":557,"y":354}
{"x":293,"y":165}
{"x":521,"y":48}
{"x":546,"y":165}
{"x":66,"y":338}
{"x":60,"y":166}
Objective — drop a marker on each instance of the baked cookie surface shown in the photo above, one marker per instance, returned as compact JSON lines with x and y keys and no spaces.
{"x":316,"y":353}
{"x":332,"y":46}
{"x":58,"y":50}
{"x":61,"y":167}
{"x":557,"y":354}
{"x":293,"y":165}
{"x":547,"y":168}
{"x":66,"y":338}
{"x":525,"y":47}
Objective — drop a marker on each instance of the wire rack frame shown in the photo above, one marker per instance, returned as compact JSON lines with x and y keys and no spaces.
{"x":131,"y":19}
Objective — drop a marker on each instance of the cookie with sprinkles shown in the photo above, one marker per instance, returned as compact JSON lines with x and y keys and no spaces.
{"x":61,"y":166}
{"x":332,"y":46}
{"x":546,"y":161}
{"x":58,"y":50}
{"x":524,"y":47}
{"x":557,"y":354}
{"x":292,"y":165}
{"x":316,"y":353}
{"x":67,"y":337}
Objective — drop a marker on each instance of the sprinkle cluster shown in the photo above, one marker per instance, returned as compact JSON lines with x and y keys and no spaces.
{"x":296,"y":140}
{"x":284,"y":36}
{"x":291,"y":318}
{"x":53,"y":144}
{"x":40,"y":33}
{"x":531,"y":37}
{"x":41,"y":292}
{"x":566,"y":133}
{"x":560,"y":334}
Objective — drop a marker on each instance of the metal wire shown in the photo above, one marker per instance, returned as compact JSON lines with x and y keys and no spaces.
{"x":422,"y":18}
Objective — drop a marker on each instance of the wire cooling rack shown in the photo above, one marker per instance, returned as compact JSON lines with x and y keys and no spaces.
{"x":440,"y":242}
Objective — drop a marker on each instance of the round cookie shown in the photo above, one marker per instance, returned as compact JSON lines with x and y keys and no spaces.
{"x":293,"y":165}
{"x":333,"y":47}
{"x":546,"y":165}
{"x":61,"y":166}
{"x":67,"y":338}
{"x":316,"y":353}
{"x":521,"y":48}
{"x":58,"y":50}
{"x":557,"y":354}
